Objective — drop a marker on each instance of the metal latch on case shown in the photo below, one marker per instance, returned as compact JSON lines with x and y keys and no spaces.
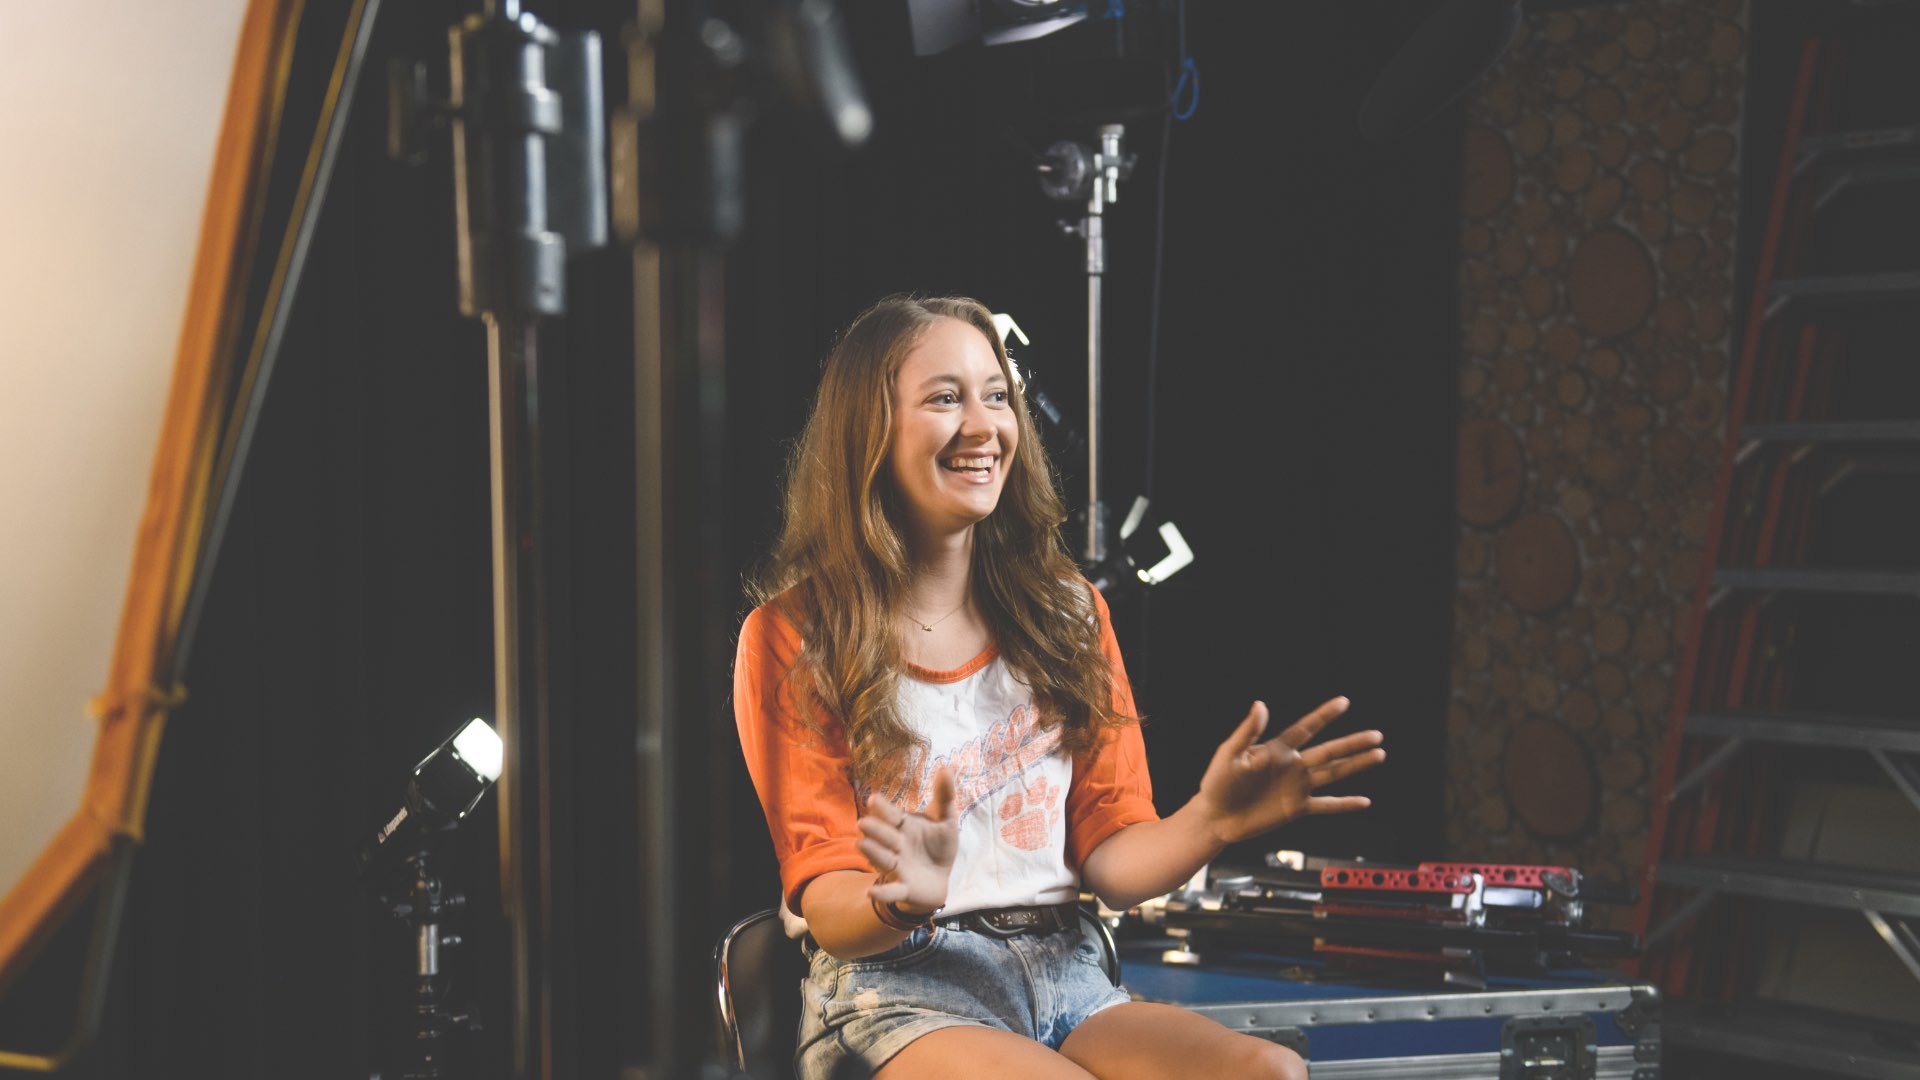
{"x":1548,"y":1048}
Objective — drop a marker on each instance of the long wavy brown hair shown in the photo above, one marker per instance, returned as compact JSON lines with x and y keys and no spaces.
{"x":840,"y":571}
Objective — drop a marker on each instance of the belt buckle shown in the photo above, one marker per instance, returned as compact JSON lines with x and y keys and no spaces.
{"x":1008,"y":924}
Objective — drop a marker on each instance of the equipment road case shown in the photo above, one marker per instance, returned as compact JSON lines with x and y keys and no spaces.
{"x":1568,"y":1026}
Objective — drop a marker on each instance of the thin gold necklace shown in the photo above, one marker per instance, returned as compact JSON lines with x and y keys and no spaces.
{"x":928,"y":626}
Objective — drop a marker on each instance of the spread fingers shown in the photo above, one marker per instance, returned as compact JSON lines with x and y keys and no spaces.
{"x":1304,"y":729}
{"x":1343,"y":746}
{"x":1345,"y":767}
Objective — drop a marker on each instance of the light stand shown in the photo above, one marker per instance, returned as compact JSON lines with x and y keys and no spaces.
{"x":445,"y":787}
{"x":529,"y":152}
{"x":697,"y":77}
{"x":1070,"y":171}
{"x":528,"y":122}
{"x":529,"y":188}
{"x":425,"y":907}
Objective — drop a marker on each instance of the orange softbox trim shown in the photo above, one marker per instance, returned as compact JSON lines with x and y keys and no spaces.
{"x":132,"y":711}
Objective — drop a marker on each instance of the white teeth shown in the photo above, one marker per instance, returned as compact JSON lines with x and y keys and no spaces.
{"x":969,"y":463}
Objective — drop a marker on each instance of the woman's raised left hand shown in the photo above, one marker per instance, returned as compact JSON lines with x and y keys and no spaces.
{"x":1252,"y":787}
{"x":912,"y":853}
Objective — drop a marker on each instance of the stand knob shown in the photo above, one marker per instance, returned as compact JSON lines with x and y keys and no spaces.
{"x":1066,"y":171}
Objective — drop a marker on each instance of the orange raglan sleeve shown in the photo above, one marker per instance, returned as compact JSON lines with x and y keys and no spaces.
{"x":1111,"y":788}
{"x":802,"y":775}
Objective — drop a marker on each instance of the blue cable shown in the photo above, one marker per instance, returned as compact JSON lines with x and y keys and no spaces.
{"x":1189,"y":86}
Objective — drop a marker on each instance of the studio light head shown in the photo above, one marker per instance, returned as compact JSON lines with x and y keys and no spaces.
{"x":1150,"y":551}
{"x":444,"y":787}
{"x":939,"y":25}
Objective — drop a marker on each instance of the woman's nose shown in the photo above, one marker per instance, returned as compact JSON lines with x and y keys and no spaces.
{"x":975,"y":420}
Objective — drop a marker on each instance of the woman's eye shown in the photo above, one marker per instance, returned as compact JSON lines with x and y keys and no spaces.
{"x":998,"y":397}
{"x":945,"y":397}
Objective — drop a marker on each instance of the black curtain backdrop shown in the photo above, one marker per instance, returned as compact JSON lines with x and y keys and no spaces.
{"x":1306,"y":393}
{"x":1305,"y":424}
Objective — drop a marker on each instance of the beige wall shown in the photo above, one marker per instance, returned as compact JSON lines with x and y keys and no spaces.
{"x":108,"y":115}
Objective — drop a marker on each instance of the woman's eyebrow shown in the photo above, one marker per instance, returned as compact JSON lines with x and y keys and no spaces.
{"x":929,"y":383}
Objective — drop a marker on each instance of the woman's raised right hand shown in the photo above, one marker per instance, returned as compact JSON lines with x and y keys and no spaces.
{"x":912,"y":853}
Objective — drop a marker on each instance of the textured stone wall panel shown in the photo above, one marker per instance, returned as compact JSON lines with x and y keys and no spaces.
{"x":1598,"y":208}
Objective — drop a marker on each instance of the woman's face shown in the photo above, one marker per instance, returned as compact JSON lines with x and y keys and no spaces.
{"x":954,"y":430}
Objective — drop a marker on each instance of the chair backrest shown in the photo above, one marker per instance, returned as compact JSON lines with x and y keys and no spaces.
{"x":757,"y":971}
{"x":757,"y":974}
{"x":1092,"y":929}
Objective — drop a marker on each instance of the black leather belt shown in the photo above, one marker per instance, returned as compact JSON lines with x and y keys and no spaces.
{"x":1012,"y":921}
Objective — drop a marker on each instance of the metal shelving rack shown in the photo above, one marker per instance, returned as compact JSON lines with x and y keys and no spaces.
{"x":1738,"y":723}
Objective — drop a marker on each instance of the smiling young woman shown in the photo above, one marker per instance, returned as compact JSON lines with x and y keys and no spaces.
{"x":937,"y":719}
{"x":844,"y":565}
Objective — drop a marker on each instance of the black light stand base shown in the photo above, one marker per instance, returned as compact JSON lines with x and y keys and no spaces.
{"x":437,"y":1029}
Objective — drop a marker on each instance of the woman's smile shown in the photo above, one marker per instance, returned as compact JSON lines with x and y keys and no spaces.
{"x":975,"y":468}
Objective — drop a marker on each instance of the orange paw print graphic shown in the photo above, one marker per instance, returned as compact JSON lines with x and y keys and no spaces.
{"x":1030,"y":815}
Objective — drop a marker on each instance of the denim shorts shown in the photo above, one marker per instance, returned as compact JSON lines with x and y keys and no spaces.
{"x":860,"y":1013}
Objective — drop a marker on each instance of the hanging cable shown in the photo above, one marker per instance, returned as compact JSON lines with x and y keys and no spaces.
{"x":1167,"y":117}
{"x":1184,"y":101}
{"x":1187,"y":84}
